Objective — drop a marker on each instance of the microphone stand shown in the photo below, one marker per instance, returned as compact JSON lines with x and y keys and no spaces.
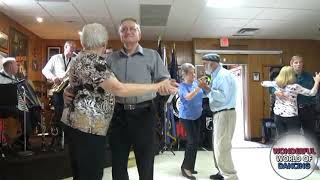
{"x":25,"y":152}
{"x":1,"y":140}
{"x":166,"y":147}
{"x":43,"y":134}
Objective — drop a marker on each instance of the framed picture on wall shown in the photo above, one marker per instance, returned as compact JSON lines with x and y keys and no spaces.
{"x":256,"y":76}
{"x":18,"y":44}
{"x":3,"y":54}
{"x":3,"y":41}
{"x":52,"y":51}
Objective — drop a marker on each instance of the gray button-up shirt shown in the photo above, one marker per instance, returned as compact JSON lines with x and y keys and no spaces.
{"x":145,"y":66}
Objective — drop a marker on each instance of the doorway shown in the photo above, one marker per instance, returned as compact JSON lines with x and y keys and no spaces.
{"x":239,"y":72}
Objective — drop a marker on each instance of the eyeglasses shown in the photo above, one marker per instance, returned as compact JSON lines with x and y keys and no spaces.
{"x":131,"y":29}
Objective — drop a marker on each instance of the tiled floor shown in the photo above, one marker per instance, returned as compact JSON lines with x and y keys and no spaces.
{"x":251,"y":164}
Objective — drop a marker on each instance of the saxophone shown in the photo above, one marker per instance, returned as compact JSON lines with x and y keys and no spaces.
{"x":56,"y":88}
{"x":65,"y":81}
{"x":59,"y":87}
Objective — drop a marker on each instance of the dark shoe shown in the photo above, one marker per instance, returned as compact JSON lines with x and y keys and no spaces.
{"x":217,"y":177}
{"x":186,"y":175}
{"x":194,"y":172}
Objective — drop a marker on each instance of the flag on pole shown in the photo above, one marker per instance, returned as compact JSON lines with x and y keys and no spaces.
{"x":159,"y":48}
{"x":174,"y":64}
{"x":170,"y":126}
{"x":164,"y":56}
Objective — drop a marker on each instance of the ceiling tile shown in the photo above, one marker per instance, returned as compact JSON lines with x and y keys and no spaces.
{"x":158,"y":2}
{"x":225,"y":23}
{"x":258,"y":3}
{"x":213,"y":32}
{"x":277,"y":14}
{"x":187,"y":18}
{"x":91,"y":8}
{"x":236,"y":13}
{"x":26,"y":7}
{"x":298,"y":4}
{"x":119,"y":11}
{"x":59,"y":8}
{"x":179,"y":20}
{"x":152,"y":33}
{"x":69,"y":19}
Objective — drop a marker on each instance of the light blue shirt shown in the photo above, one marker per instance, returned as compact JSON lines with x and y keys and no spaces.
{"x":223,"y":90}
{"x":190,"y":109}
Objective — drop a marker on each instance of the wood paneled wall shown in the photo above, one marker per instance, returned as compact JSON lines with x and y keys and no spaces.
{"x":184,"y":49}
{"x":34,"y":45}
{"x":257,"y":63}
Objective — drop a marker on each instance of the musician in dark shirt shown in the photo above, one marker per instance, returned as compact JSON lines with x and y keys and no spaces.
{"x":8,"y":76}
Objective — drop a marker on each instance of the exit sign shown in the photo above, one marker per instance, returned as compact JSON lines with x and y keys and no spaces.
{"x":224,"y":42}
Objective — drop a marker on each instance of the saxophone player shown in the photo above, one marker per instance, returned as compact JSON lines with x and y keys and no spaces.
{"x":55,"y":70}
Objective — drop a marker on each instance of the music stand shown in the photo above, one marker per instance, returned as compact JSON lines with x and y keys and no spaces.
{"x":8,"y":102}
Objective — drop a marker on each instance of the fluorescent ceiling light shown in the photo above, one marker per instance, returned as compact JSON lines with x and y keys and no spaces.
{"x":39,"y":19}
{"x":224,"y":3}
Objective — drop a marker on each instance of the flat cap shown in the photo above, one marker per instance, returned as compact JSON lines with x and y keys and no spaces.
{"x":211,"y":57}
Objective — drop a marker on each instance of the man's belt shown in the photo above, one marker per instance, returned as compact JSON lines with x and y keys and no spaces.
{"x":305,"y":106}
{"x":223,"y":110}
{"x":135,"y":106}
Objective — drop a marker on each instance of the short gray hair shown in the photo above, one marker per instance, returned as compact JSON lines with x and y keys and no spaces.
{"x":132,"y":20}
{"x":93,"y":36}
{"x":185,"y":67}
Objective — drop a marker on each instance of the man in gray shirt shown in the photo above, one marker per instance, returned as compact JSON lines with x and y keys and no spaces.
{"x":133,"y":122}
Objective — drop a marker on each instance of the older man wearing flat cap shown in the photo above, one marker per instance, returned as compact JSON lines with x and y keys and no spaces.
{"x":222,"y":100}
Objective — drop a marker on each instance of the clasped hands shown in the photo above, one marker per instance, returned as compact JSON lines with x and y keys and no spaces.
{"x":168,"y":86}
{"x":203,"y":83}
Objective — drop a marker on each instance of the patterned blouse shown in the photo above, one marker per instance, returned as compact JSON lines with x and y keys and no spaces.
{"x":92,"y":108}
{"x":288,"y":108}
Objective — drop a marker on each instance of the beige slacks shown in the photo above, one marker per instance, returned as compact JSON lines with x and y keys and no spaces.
{"x":224,"y":124}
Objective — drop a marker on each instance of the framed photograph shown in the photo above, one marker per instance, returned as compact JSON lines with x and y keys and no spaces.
{"x":200,"y":71}
{"x":52,"y":51}
{"x":3,"y":54}
{"x":3,"y":41}
{"x":256,"y":76}
{"x":18,"y":44}
{"x":35,"y":65}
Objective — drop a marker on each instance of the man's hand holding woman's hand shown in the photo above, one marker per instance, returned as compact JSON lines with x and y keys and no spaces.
{"x":316,"y":77}
{"x":203,"y":84}
{"x":168,"y":86}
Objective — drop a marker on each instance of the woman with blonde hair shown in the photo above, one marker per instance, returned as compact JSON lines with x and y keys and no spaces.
{"x":286,"y":109}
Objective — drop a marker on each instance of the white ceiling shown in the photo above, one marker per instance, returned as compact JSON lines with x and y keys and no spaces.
{"x":277,"y":19}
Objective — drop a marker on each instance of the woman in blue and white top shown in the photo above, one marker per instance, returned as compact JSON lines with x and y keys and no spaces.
{"x":286,"y":109}
{"x":190,"y":113}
